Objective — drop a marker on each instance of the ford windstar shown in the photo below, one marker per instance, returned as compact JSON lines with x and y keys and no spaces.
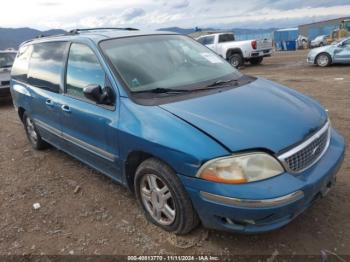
{"x":192,"y":137}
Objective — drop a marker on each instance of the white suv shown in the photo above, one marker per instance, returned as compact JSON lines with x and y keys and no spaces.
{"x":6,"y":61}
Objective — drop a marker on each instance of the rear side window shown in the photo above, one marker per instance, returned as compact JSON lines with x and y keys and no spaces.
{"x":83,"y":69}
{"x":46,"y":65}
{"x":20,"y":66}
{"x":226,"y":38}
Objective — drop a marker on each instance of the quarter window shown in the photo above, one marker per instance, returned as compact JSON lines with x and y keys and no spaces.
{"x":83,"y":69}
{"x":46,"y":65}
{"x":20,"y":66}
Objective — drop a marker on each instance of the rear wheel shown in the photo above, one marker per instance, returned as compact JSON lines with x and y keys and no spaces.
{"x":256,"y":61}
{"x":32,"y":133}
{"x":163,"y":198}
{"x":236,"y":60}
{"x":323,"y":60}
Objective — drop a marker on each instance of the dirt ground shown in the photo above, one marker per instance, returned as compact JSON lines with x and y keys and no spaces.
{"x":83,"y":212}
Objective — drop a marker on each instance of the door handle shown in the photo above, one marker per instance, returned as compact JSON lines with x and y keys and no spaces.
{"x":49,"y":102}
{"x":65,"y":108}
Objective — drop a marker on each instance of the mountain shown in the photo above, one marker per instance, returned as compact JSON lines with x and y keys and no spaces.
{"x":184,"y":30}
{"x":13,"y":37}
{"x":237,"y":31}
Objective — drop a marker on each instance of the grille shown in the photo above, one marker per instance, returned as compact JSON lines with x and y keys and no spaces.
{"x":307,"y":153}
{"x":5,"y":83}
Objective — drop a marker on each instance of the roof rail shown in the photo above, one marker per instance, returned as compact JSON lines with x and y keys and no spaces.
{"x":77,"y":31}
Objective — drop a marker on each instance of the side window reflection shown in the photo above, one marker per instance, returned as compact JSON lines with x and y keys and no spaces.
{"x":83,"y":69}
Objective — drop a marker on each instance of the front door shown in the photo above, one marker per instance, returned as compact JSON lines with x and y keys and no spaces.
{"x":89,"y":130}
{"x":342,"y":53}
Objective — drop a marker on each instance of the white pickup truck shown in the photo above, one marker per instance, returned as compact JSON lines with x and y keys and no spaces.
{"x":237,"y":52}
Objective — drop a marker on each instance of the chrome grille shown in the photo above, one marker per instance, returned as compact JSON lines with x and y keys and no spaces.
{"x":307,"y":153}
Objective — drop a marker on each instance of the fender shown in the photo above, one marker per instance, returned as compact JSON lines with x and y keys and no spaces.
{"x":231,"y":51}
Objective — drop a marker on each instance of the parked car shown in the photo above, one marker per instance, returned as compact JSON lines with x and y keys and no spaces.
{"x":321,"y":40}
{"x":237,"y":52}
{"x":302,"y":42}
{"x":191,"y":136}
{"x":6,"y":60}
{"x":338,"y":52}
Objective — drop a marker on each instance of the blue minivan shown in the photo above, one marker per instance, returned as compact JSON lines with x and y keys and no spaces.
{"x":192,"y":137}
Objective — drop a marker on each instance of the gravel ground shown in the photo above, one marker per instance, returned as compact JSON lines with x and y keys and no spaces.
{"x":83,"y":212}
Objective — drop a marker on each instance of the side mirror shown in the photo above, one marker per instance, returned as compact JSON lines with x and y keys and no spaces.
{"x":95,"y":93}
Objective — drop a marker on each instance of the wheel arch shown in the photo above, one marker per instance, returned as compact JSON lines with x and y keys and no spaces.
{"x":232,"y":51}
{"x":20,"y":112}
{"x":133,"y":161}
{"x":326,"y":53}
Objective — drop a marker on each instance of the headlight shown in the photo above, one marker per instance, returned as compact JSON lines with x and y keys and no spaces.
{"x":240,"y":169}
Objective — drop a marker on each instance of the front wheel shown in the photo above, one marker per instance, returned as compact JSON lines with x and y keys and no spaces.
{"x":323,"y":60}
{"x":256,"y":61}
{"x":236,"y":60}
{"x":163,"y":198}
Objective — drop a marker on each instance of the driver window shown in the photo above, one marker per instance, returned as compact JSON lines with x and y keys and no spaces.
{"x":83,"y":69}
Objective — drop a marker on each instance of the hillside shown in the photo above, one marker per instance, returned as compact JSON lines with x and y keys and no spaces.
{"x":238,"y":31}
{"x":13,"y":37}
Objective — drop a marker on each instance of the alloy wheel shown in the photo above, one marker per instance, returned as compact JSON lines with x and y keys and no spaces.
{"x":234,"y":62}
{"x":157,"y":199}
{"x":33,"y":136}
{"x":323,"y":60}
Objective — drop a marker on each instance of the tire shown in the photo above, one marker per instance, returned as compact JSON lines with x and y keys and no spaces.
{"x":256,"y":61}
{"x":236,"y":60}
{"x":323,"y":60}
{"x":159,"y":191}
{"x":33,"y":134}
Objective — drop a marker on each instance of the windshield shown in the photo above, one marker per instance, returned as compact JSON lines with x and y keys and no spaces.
{"x":167,"y":62}
{"x":6,"y":59}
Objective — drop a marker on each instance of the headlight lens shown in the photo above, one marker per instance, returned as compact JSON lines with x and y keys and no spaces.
{"x":240,"y":169}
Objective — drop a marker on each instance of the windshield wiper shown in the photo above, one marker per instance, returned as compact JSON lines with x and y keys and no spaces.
{"x":216,"y":84}
{"x":222,"y":82}
{"x":160,"y":90}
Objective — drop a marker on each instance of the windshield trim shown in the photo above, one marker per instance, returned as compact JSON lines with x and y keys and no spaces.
{"x":124,"y":85}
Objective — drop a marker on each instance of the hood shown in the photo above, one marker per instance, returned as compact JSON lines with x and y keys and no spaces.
{"x":259,"y":115}
{"x":321,"y":49}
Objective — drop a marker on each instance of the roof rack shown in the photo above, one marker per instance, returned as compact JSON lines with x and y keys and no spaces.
{"x":77,"y":31}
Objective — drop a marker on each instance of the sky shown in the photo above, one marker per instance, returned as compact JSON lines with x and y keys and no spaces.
{"x":154,"y":14}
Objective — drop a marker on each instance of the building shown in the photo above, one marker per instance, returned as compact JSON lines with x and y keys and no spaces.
{"x":285,"y":39}
{"x":311,"y":31}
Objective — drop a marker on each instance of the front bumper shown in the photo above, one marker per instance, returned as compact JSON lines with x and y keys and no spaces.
{"x":311,"y":59}
{"x":265,"y":205}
